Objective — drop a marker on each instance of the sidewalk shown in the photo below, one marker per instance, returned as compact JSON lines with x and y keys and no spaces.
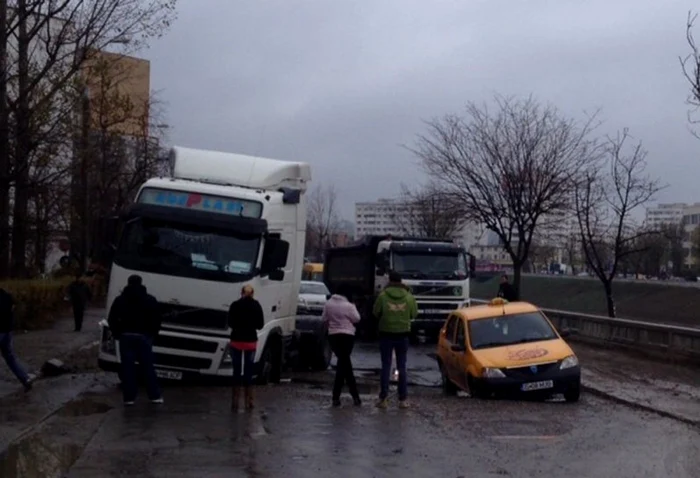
{"x":34,"y":348}
{"x":671,"y":390}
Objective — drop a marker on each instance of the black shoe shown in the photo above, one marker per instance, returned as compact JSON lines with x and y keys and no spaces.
{"x":336,"y":403}
{"x":357,"y":402}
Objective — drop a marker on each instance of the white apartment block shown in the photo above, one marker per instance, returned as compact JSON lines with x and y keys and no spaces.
{"x":390,"y":216}
{"x":666,"y":214}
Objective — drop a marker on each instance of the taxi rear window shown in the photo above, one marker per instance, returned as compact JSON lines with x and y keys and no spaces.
{"x":507,"y":330}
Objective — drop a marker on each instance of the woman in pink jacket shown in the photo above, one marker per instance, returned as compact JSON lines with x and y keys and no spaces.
{"x":341,"y":315}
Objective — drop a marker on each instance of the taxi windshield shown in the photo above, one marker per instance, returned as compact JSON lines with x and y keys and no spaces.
{"x":507,"y":330}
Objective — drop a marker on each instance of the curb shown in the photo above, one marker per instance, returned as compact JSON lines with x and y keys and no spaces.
{"x":636,"y":405}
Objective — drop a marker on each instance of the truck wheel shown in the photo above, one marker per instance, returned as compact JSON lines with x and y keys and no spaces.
{"x":270,"y":365}
{"x":322,"y":355}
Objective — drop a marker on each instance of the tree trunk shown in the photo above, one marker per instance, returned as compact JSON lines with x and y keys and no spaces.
{"x":4,"y":150}
{"x":609,"y":299}
{"x":517,"y":278}
{"x":19,"y":217}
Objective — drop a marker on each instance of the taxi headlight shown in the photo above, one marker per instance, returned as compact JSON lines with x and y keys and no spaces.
{"x":493,"y":373}
{"x":569,"y":362}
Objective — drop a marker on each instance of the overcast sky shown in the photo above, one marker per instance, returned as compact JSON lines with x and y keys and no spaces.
{"x":343,"y":84}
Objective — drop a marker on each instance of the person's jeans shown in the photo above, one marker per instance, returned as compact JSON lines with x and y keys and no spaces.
{"x":387,"y":346}
{"x":133,"y":348}
{"x":9,"y":355}
{"x":243,"y":362}
{"x":342,"y":345}
{"x":78,"y":314}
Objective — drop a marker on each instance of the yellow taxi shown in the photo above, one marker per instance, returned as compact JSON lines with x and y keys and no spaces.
{"x":506,"y":349}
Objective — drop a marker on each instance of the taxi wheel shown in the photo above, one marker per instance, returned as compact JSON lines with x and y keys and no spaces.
{"x":476,"y":391}
{"x":448,"y":387}
{"x":572,"y":394}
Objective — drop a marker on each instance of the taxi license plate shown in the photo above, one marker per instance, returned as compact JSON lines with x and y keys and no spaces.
{"x":529,"y":387}
{"x":169,"y":374}
{"x":434,"y":311}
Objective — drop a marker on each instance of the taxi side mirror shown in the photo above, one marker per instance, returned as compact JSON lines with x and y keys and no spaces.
{"x":565,"y":333}
{"x":458,"y":348}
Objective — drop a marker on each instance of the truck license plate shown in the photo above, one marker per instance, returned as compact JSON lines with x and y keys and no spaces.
{"x":169,"y":374}
{"x":529,"y":387}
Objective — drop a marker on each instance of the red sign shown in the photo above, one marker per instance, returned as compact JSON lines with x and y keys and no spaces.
{"x":526,"y":354}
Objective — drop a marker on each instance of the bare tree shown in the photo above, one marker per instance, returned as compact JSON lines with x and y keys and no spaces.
{"x":322,"y":220}
{"x":51,"y":40}
{"x":606,"y":199}
{"x":427,"y":211}
{"x":690,"y":65}
{"x":509,"y":168}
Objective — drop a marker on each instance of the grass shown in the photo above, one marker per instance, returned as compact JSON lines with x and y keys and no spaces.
{"x":651,"y":302}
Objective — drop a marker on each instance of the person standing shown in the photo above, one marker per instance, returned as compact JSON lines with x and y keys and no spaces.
{"x":395,"y":308}
{"x":341,"y":315}
{"x":506,"y":290}
{"x":7,"y":306}
{"x":135,"y":322}
{"x":245,"y":318}
{"x":79,"y":295}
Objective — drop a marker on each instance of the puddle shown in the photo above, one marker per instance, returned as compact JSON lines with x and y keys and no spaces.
{"x":39,"y":456}
{"x":84,"y":407}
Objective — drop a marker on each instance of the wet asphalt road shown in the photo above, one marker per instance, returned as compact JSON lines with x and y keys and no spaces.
{"x":295,"y":433}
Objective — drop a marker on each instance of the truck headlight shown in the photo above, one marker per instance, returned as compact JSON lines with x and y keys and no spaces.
{"x":569,"y":362}
{"x":226,"y":361}
{"x":457,"y":290}
{"x":493,"y":373}
{"x":108,"y":344}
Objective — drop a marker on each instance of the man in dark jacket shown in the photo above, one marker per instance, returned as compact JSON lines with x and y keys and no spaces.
{"x":135,"y":320}
{"x":7,"y":305}
{"x":506,"y":290}
{"x":79,"y":295}
{"x":245,"y":318}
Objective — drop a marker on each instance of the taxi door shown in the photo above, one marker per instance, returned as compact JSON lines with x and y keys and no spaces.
{"x":459,"y":374}
{"x":445,"y":345}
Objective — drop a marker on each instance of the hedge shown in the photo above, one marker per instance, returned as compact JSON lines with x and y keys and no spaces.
{"x":40,"y":302}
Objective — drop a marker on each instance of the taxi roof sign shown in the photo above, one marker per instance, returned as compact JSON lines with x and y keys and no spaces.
{"x":498,"y":301}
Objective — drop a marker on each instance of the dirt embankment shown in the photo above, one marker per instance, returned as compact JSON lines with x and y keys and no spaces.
{"x":648,"y":301}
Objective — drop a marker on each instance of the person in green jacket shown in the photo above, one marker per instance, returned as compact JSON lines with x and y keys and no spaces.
{"x":395,"y":308}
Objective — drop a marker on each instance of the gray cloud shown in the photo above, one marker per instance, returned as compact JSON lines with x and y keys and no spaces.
{"x":344,"y":84}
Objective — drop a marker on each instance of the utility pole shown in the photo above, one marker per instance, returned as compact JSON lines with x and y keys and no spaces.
{"x":4,"y":149}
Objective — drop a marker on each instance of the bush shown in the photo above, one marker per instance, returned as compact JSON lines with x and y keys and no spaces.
{"x":40,"y":302}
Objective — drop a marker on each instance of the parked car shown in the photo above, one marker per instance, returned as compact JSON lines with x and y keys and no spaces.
{"x":312,"y":297}
{"x":506,"y":348}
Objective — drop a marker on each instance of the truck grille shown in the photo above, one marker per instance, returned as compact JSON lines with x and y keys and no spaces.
{"x":182,"y":343}
{"x":434,"y":290}
{"x":186,"y":316}
{"x":180,"y":361}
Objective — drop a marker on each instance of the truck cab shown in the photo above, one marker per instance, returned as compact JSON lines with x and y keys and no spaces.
{"x":220,"y":221}
{"x":436,"y":270}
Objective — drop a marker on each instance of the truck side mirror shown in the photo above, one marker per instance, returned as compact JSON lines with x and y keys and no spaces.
{"x":274,"y":257}
{"x":110,"y":227}
{"x":472,"y":264}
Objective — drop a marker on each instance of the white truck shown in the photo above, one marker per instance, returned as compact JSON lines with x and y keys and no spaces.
{"x":436,"y":270}
{"x":220,"y":221}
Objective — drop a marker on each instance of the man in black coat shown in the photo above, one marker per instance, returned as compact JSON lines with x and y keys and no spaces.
{"x":506,"y":290}
{"x":135,"y":321}
{"x":79,"y":295}
{"x":7,"y":305}
{"x":245,"y":318}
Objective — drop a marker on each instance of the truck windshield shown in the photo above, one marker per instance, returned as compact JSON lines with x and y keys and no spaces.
{"x":187,"y":251}
{"x":430,"y":265}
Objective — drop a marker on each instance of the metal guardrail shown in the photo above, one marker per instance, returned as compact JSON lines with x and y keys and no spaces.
{"x":672,"y":341}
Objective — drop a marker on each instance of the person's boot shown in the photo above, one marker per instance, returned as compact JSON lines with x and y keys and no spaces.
{"x":235,"y":398}
{"x":249,"y":398}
